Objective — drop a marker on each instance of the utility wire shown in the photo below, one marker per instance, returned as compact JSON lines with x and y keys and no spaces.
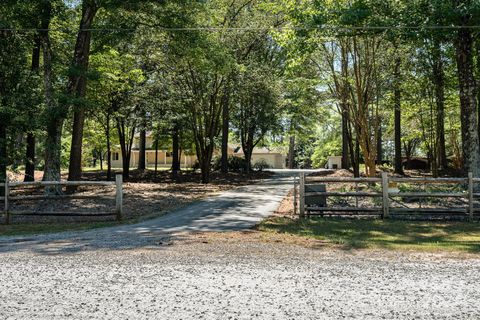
{"x":284,"y":28}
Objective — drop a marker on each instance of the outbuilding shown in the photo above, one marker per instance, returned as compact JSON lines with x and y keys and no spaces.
{"x":334,"y":162}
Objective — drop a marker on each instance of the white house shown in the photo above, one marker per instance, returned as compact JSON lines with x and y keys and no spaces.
{"x":274,"y":158}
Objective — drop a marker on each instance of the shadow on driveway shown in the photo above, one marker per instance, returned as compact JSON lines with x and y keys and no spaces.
{"x":238,"y":209}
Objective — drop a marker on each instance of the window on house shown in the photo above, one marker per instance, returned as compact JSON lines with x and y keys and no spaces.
{"x":115,"y":156}
{"x":169,"y":154}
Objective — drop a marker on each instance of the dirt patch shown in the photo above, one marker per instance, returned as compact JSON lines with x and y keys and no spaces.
{"x":286,"y":207}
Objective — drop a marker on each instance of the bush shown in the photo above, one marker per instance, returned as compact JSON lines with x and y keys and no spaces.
{"x":261,"y":165}
{"x":234,"y":163}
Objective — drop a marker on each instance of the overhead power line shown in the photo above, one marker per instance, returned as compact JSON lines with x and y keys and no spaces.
{"x":281,"y":28}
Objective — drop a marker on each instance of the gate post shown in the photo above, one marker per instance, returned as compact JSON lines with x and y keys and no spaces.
{"x":385,"y":200}
{"x":302,"y":194}
{"x":119,"y":196}
{"x":470,"y":196}
{"x":6,"y":195}
{"x":294,"y":196}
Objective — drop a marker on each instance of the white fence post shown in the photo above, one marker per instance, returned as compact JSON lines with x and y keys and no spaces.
{"x":119,"y":196}
{"x":7,"y":194}
{"x":470,"y":196}
{"x":302,"y":194}
{"x":385,"y":199}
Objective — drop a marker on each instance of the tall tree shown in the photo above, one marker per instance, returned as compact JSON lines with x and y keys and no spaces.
{"x":438,"y":79}
{"x":30,"y":152}
{"x":142,"y":145}
{"x":175,"y":150}
{"x":467,"y":91}
{"x":257,"y":110}
{"x":54,"y":113}
{"x":397,"y":115}
{"x":77,"y":85}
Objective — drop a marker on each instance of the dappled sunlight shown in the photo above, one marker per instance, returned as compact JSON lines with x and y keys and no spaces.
{"x":238,"y":209}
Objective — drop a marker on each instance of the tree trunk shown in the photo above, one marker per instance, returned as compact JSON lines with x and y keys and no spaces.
{"x":77,"y":86}
{"x":156,"y":157}
{"x":124,"y":151}
{"x":291,"y":152}
{"x":247,"y":147}
{"x":439,"y":84}
{"x":370,"y":166}
{"x":142,"y":148}
{"x":109,"y":150}
{"x":53,"y":152}
{"x":55,"y":114}
{"x":100,"y":155}
{"x":345,"y":138}
{"x":356,"y":159}
{"x":125,"y":164}
{"x":478,"y":89}
{"x":205,"y":169}
{"x":379,"y":146}
{"x":54,"y":124}
{"x":30,"y":158}
{"x":3,"y":155}
{"x":30,"y":153}
{"x":126,"y":143}
{"x":468,"y":101}
{"x":398,"y":118}
{"x":175,"y":151}
{"x":225,"y":132}
{"x":204,"y":157}
{"x":248,"y":159}
{"x":75,"y":165}
{"x":353,"y":151}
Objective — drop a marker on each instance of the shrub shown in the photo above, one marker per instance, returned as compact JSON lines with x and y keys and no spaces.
{"x":234,"y":163}
{"x":261,"y":165}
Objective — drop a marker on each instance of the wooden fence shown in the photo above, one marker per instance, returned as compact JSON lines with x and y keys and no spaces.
{"x":313,"y":194}
{"x":8,"y":198}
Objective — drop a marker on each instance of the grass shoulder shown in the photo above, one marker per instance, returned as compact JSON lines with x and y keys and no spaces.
{"x":45,"y":228}
{"x":381,"y":234}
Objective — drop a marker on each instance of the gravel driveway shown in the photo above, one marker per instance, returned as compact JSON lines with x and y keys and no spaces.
{"x":227,"y":279}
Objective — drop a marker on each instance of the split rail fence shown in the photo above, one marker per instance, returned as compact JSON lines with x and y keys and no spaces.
{"x":8,"y":198}
{"x":386,"y":199}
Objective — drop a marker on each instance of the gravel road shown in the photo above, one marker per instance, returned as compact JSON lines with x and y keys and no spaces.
{"x":161,"y":270}
{"x":175,"y":278}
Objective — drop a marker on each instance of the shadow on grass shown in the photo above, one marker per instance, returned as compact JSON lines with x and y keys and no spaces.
{"x":357,"y":234}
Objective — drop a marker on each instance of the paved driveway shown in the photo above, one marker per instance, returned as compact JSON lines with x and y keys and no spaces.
{"x":237,"y":209}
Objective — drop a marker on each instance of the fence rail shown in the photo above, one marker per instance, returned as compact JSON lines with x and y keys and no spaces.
{"x":314,"y":201}
{"x":8,"y":198}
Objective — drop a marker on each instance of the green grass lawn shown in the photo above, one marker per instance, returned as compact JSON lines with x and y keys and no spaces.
{"x":386,"y":234}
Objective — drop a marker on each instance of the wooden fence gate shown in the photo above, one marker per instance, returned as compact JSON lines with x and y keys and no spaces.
{"x":386,"y":196}
{"x":8,"y":198}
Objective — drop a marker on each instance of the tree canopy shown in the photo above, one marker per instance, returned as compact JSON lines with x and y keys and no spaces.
{"x":377,"y":82}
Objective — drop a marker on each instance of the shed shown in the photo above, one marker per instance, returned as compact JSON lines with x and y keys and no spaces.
{"x":334,"y":162}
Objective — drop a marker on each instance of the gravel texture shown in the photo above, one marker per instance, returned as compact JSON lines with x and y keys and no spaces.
{"x":201,"y":278}
{"x":146,"y":273}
